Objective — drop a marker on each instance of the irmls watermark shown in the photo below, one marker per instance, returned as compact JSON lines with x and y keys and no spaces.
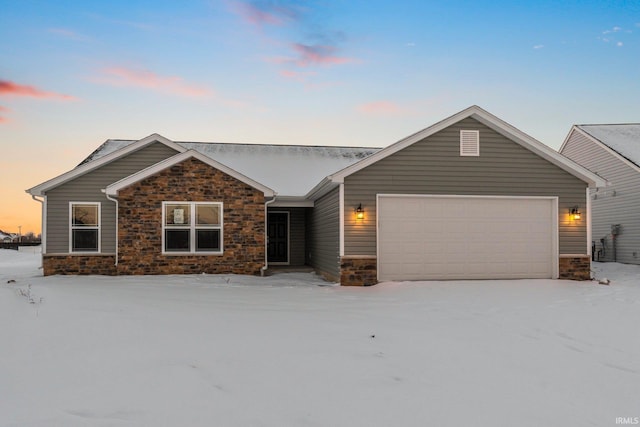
{"x":629,"y":421}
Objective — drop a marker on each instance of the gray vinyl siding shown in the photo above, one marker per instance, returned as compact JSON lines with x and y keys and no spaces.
{"x":297,"y":237}
{"x":324,"y":235}
{"x":434,"y":166}
{"x":617,"y":204}
{"x":297,"y":234}
{"x":87,"y":188}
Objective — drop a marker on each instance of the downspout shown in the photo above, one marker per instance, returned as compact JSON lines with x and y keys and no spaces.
{"x":266,"y":237}
{"x":116,"y":202}
{"x":43,"y":234}
{"x":590,"y":242}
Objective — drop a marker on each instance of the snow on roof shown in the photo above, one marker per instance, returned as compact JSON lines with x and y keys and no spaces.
{"x":107,"y":147}
{"x":622,"y":138}
{"x":291,"y":170}
{"x":7,"y":236}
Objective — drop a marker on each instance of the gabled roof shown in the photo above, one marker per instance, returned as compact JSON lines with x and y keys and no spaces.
{"x":623,"y":139}
{"x":290,"y":170}
{"x":86,"y":167}
{"x":112,"y":189}
{"x":4,"y":234}
{"x":488,"y":120}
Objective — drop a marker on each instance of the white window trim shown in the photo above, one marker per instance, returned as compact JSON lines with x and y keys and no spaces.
{"x":466,"y":149}
{"x":99,"y":227}
{"x":192,"y":228}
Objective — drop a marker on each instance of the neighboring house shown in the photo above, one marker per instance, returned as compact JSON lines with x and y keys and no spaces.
{"x":6,"y":237}
{"x":470,"y":197}
{"x":613,"y":152}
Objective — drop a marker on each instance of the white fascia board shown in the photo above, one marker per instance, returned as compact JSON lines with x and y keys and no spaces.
{"x":490,"y":121}
{"x":338,"y":177}
{"x":39,"y":190}
{"x":540,"y":149}
{"x":327,"y":184}
{"x":567,"y":138}
{"x":155,"y":137}
{"x":605,"y":147}
{"x":575,"y":129}
{"x":112,"y":189}
{"x":292,"y":202}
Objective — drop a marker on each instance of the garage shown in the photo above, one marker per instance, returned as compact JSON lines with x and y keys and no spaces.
{"x":427,"y":237}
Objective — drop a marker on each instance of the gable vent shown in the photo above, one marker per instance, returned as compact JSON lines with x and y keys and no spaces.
{"x":469,"y":143}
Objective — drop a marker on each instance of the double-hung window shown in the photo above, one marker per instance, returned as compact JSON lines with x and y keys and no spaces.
{"x":84,"y":230}
{"x":192,"y":227}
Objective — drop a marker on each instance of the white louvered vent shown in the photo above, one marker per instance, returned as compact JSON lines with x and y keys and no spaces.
{"x":469,"y":143}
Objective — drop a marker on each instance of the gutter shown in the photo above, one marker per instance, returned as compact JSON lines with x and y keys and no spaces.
{"x":264,"y":268}
{"x":116,"y":202}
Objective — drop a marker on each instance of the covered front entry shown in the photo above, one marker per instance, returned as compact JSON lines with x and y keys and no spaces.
{"x":424,"y":237}
{"x":278,"y":237}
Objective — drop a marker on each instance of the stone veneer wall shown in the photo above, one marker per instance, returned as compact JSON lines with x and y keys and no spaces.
{"x":79,"y":264}
{"x":362,"y":271}
{"x":140,"y":222}
{"x":358,"y":270}
{"x":575,"y":268}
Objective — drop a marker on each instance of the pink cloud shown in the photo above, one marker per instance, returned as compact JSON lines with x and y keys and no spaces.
{"x":310,"y":55}
{"x":121,"y":76}
{"x":261,"y":13}
{"x":317,"y":55}
{"x":2,"y":118}
{"x":13,"y":89}
{"x":381,"y":108}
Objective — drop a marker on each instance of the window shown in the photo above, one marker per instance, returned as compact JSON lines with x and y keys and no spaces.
{"x":469,"y":143}
{"x":192,"y":227}
{"x":84,"y":218}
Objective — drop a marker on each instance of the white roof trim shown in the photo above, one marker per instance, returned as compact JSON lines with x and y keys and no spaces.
{"x":39,"y":190}
{"x":605,"y":147}
{"x":292,"y":202}
{"x":566,"y":139}
{"x":112,"y":189}
{"x":490,"y":121}
{"x":322,"y":188}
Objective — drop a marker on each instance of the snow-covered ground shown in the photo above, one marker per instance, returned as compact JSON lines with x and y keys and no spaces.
{"x":292,"y":350}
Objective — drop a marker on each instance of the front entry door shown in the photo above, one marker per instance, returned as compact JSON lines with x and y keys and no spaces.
{"x":278,"y":235}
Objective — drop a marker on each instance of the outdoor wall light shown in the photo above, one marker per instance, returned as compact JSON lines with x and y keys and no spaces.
{"x":359,"y":212}
{"x":575,"y":214}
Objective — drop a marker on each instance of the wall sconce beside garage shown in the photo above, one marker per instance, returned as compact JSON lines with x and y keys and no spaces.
{"x":359,"y":212}
{"x":574,"y":213}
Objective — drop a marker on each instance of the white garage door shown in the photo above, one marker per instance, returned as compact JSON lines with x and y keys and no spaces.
{"x":458,"y":237}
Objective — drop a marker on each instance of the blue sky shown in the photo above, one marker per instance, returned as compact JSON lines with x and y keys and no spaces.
{"x":326,"y":72}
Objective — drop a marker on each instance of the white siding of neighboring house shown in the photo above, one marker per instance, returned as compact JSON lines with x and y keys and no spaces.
{"x":617,"y":204}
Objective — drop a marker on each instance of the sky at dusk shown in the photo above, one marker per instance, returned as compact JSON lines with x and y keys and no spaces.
{"x":329,"y":72}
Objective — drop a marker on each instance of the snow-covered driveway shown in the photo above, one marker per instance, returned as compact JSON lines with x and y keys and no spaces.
{"x":292,"y":350}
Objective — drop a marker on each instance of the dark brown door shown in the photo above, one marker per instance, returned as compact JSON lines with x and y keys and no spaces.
{"x":278,"y":234}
